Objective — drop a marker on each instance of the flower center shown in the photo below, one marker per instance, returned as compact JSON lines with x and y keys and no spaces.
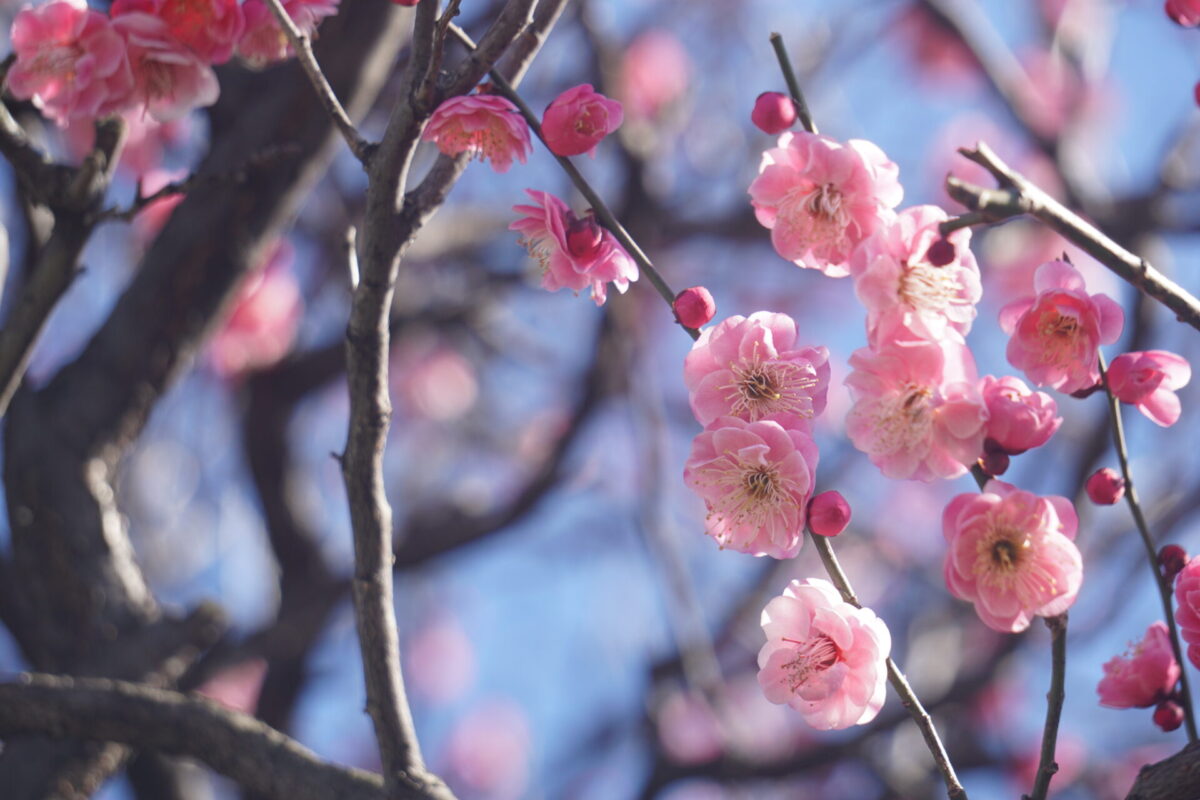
{"x":926,"y":287}
{"x":540,"y":249}
{"x":817,"y":216}
{"x":761,"y":388}
{"x":760,"y":483}
{"x":812,"y":657}
{"x":904,"y":419}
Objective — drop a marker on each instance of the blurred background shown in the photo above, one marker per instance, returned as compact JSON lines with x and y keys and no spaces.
{"x":567,"y":629}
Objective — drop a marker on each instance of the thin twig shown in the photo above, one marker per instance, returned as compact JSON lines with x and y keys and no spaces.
{"x":1139,"y":519}
{"x":1054,"y":705}
{"x":793,"y":83}
{"x":954,"y":789}
{"x":1017,"y":195}
{"x":300,"y":43}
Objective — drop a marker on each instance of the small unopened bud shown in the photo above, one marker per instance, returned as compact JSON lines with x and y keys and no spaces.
{"x":694,"y":307}
{"x":828,"y":514}
{"x":994,"y":463}
{"x":1168,"y":715}
{"x":1183,"y":12}
{"x":1105,"y":487}
{"x":773,"y":112}
{"x":584,"y":237}
{"x":1171,"y":559}
{"x":940,"y":253}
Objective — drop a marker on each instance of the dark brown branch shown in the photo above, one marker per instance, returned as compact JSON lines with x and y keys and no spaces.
{"x":1174,"y":778}
{"x":1047,"y":766}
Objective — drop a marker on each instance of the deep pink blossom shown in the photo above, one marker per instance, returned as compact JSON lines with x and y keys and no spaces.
{"x":1018,"y":419}
{"x":209,"y":28}
{"x":820,"y":198}
{"x":907,"y":272}
{"x":1148,"y":379}
{"x":756,"y":480}
{"x":1011,"y":554}
{"x":1184,"y":12}
{"x":169,"y":79}
{"x":1187,"y":608}
{"x":917,"y":413}
{"x":578,"y":119}
{"x":69,"y":61}
{"x":753,"y":368}
{"x":773,"y":113}
{"x":263,"y":42}
{"x":485,"y":126}
{"x":573,"y":252}
{"x":266,"y":314}
{"x":1144,"y":675}
{"x":823,"y":657}
{"x":1056,"y":335}
{"x":654,"y":73}
{"x":935,"y":48}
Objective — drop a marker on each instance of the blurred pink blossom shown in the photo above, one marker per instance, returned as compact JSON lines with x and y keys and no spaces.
{"x":576,"y":121}
{"x":756,"y":480}
{"x":146,"y":141}
{"x":169,"y":79}
{"x":823,"y":657}
{"x":654,"y":72}
{"x":1187,"y":611}
{"x":262,"y":325}
{"x":439,"y":660}
{"x":209,"y":28}
{"x":687,"y":729}
{"x":237,"y":687}
{"x":936,"y":50}
{"x":436,"y":381}
{"x":1144,"y":676}
{"x":1149,"y":379}
{"x":484,"y":126}
{"x":154,"y":216}
{"x":489,"y":751}
{"x":263,"y":41}
{"x":1018,"y":419}
{"x":1011,"y":554}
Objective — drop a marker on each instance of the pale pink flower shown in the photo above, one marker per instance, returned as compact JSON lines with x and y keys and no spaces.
{"x":484,"y":126}
{"x":756,"y":480}
{"x":69,"y":61}
{"x":169,"y":80}
{"x":1187,"y":608}
{"x":578,"y":119}
{"x":820,"y":198}
{"x":654,"y":73}
{"x":436,"y":381}
{"x":573,"y":253}
{"x":1018,"y":419}
{"x":1057,"y":334}
{"x":1148,"y":379}
{"x":439,"y":660}
{"x":823,"y":657}
{"x":1144,"y":675}
{"x":908,"y":272}
{"x":917,"y":413}
{"x":1011,"y":554}
{"x":263,"y":42}
{"x":209,"y":28}
{"x":262,"y":326}
{"x":753,"y":368}
{"x":687,"y":728}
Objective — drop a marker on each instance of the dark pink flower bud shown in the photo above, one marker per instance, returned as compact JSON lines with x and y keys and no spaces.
{"x":1171,"y":560}
{"x":773,"y":113}
{"x":994,"y":463}
{"x":584,"y":236}
{"x":828,"y":514}
{"x":1184,"y":12}
{"x":694,"y":307}
{"x":1105,"y":487}
{"x":941,"y":253}
{"x":1168,"y":715}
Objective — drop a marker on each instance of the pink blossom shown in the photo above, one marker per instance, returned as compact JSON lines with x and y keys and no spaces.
{"x":823,"y":657}
{"x":752,"y":368}
{"x":908,"y":272}
{"x":573,"y":253}
{"x":755,"y":479}
{"x":936,"y":50}
{"x":484,"y":126}
{"x":1144,"y":675}
{"x":773,"y":113}
{"x":146,"y":143}
{"x":654,"y":73}
{"x":209,"y":28}
{"x":263,"y":41}
{"x":1187,"y":608}
{"x":260,"y":329}
{"x":820,"y":198}
{"x":1057,"y":334}
{"x":694,"y":307}
{"x":435,"y":380}
{"x":69,"y":61}
{"x":1011,"y":554}
{"x":578,"y":119}
{"x":916,"y":413}
{"x":687,"y":728}
{"x":169,"y":80}
{"x":1018,"y":419}
{"x":1148,"y":379}
{"x":237,"y":687}
{"x":489,"y":751}
{"x":439,"y":660}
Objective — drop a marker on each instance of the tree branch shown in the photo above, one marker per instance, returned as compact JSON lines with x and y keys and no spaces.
{"x":1054,"y":705}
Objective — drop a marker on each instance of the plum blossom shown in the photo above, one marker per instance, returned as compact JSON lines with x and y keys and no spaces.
{"x":488,"y":752}
{"x":169,"y":79}
{"x":209,"y":28}
{"x":573,"y":253}
{"x":756,"y":480}
{"x":917,"y":413}
{"x":1144,"y":676}
{"x":908,"y":271}
{"x":820,"y":198}
{"x":1018,"y":419}
{"x":260,"y":329}
{"x":1184,"y":12}
{"x":752,"y":368}
{"x":578,"y":119}
{"x":823,"y":657}
{"x":1011,"y":554}
{"x":1056,"y":335}
{"x":1148,"y":379}
{"x":1187,"y":608}
{"x":654,"y":73}
{"x":263,"y":42}
{"x":484,"y":126}
{"x":69,"y":61}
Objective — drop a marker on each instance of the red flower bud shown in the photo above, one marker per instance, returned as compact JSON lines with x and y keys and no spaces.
{"x":1171,"y":559}
{"x":584,"y":237}
{"x":994,"y":463}
{"x":1168,"y":715}
{"x":1105,"y":487}
{"x":694,"y":307}
{"x":828,"y":514}
{"x":940,"y":253}
{"x":773,"y":113}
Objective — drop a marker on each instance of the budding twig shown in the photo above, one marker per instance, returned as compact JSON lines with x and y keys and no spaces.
{"x":793,"y":84}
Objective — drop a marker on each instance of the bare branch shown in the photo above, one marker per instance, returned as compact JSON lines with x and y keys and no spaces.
{"x":1054,"y":705}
